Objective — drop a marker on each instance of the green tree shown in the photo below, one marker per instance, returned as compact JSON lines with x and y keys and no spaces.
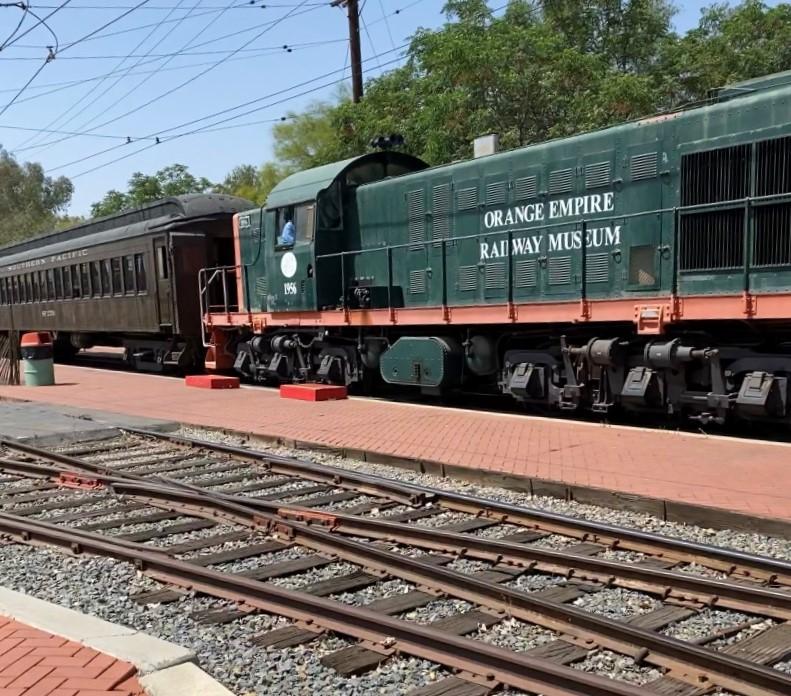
{"x":251,"y":182}
{"x":173,"y":180}
{"x":30,"y":202}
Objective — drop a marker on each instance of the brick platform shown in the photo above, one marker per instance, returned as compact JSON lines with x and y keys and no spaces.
{"x":37,"y":663}
{"x":730,"y":474}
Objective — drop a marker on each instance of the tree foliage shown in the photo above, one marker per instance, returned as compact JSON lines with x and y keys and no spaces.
{"x":173,"y":180}
{"x":30,"y":202}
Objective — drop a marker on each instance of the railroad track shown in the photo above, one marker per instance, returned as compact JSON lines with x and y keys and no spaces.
{"x":245,"y":526}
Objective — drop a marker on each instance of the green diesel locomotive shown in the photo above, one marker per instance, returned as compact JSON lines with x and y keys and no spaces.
{"x":645,"y":266}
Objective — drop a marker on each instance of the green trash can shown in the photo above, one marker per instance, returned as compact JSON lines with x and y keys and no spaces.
{"x":38,"y":366}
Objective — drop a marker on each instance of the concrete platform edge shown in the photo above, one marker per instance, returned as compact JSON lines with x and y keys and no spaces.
{"x":664,"y":509}
{"x":154,"y":658}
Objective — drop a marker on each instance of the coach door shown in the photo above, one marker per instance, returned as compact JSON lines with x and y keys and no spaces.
{"x":164,"y":283}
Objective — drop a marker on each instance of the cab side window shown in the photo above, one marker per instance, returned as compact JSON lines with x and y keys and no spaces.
{"x":286,"y":228}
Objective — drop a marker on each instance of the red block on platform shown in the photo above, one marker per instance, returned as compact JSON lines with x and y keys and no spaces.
{"x":212,"y":382}
{"x":313,"y":392}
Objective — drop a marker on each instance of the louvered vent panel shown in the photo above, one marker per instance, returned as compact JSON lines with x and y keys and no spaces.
{"x":597,"y":175}
{"x":773,"y":167}
{"x":417,"y":282}
{"x":440,"y":225}
{"x":495,"y":193}
{"x":561,"y":181}
{"x":495,"y":276}
{"x":467,"y":198}
{"x":416,"y":212}
{"x":525,"y":273}
{"x":644,"y":166}
{"x":468,"y":278}
{"x":261,"y":287}
{"x":559,"y":270}
{"x":597,"y":268}
{"x":526,"y":187}
{"x":715,"y":175}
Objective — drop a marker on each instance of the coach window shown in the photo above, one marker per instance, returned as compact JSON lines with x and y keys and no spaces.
{"x":3,"y":292}
{"x":50,"y":284}
{"x":85,"y":280}
{"x":107,"y":288}
{"x":34,"y":286}
{"x":118,"y":283}
{"x":129,"y":275}
{"x":58,"y":283}
{"x":66,"y":282}
{"x":75,"y":282}
{"x":96,"y":287}
{"x":162,"y":263}
{"x":140,"y":273}
{"x":28,"y":288}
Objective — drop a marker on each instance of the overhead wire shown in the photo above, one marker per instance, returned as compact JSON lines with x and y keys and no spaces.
{"x":93,"y":89}
{"x":20,"y":6}
{"x":39,"y":22}
{"x":268,"y":27}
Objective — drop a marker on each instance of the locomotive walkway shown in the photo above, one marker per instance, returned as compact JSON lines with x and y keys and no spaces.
{"x":724,"y":474}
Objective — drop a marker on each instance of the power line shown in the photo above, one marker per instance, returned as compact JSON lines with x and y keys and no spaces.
{"x":39,"y":22}
{"x":387,"y":23}
{"x":20,"y":6}
{"x":95,"y":87}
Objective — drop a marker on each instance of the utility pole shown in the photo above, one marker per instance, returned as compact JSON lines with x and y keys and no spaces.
{"x":354,"y":45}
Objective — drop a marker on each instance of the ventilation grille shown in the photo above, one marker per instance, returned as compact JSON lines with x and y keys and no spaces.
{"x":597,"y":268}
{"x":261,"y":286}
{"x":495,"y":193}
{"x":644,"y":166}
{"x":495,"y":276}
{"x":716,"y":175}
{"x":467,"y":278}
{"x":526,"y":187}
{"x":597,"y":175}
{"x":561,"y":181}
{"x":559,"y":268}
{"x":712,"y":241}
{"x":440,"y":226}
{"x":467,"y":198}
{"x":773,"y":167}
{"x":772,"y":244}
{"x":417,"y":282}
{"x":416,"y":212}
{"x":525,"y":273}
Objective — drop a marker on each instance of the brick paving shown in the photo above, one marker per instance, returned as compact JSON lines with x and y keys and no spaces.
{"x":726,"y":473}
{"x":37,"y":663}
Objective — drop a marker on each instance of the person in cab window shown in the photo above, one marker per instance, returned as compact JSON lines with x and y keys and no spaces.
{"x":289,"y":233}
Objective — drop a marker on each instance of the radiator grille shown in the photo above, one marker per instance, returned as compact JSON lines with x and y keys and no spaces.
{"x":597,"y":175}
{"x":495,"y":276}
{"x":261,"y":286}
{"x":644,"y":166}
{"x":440,"y":225}
{"x":495,"y":193}
{"x":467,"y":198}
{"x":467,"y":278}
{"x":561,"y":181}
{"x":712,"y":241}
{"x":416,"y":212}
{"x":597,"y":268}
{"x":417,"y":282}
{"x":525,"y":273}
{"x":715,"y":175}
{"x":559,"y":270}
{"x":526,"y":187}
{"x":773,"y":167}
{"x":772,"y":242}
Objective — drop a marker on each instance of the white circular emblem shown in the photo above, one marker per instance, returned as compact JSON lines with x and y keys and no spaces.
{"x":288,"y":264}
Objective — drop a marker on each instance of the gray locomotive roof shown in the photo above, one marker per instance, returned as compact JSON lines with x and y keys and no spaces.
{"x":131,"y":223}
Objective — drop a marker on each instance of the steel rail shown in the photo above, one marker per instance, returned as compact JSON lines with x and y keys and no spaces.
{"x":728,"y":560}
{"x":365,"y":483}
{"x":676,"y":655}
{"x":724,"y":670}
{"x":666,"y":584}
{"x":378,"y":631}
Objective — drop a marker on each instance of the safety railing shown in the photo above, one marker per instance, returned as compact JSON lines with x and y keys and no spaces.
{"x":217,"y":288}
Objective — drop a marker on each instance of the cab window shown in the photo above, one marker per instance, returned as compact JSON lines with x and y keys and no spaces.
{"x":295,"y":223}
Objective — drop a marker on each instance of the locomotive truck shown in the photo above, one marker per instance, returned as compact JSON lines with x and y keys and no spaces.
{"x":644,"y":266}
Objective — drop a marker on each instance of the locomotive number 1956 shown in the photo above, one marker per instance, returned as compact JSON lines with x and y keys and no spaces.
{"x":290,"y":288}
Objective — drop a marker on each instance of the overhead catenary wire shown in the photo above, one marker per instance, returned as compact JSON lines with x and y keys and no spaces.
{"x":63,"y":115}
{"x":20,"y":6}
{"x":268,"y":27}
{"x":38,"y":23}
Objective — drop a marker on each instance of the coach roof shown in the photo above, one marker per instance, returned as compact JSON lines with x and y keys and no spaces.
{"x":159,"y":215}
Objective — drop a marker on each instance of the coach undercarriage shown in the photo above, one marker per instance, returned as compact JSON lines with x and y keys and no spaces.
{"x":689,"y":374}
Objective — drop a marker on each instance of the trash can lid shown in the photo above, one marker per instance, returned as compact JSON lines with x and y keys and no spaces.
{"x":36,"y":338}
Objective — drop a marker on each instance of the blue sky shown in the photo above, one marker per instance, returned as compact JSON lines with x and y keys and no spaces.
{"x":229,"y":53}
